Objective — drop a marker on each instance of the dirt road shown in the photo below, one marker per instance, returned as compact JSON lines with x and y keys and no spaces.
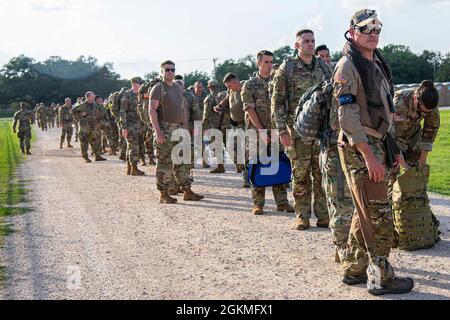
{"x":97,"y":234}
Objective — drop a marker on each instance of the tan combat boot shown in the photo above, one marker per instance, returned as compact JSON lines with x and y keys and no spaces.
{"x":285,"y":208}
{"x":257,"y":210}
{"x":69,"y":145}
{"x":205,"y":165}
{"x":302,"y":224}
{"x":220,"y":169}
{"x":128,"y":169}
{"x":152,"y":162}
{"x":323,"y":223}
{"x":135,"y":171}
{"x":173,"y":191}
{"x":189,"y":195}
{"x":99,"y":158}
{"x":165,"y":198}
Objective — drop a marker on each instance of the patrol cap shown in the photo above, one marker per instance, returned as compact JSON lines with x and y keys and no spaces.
{"x":365,"y":17}
{"x":213,"y":83}
{"x":137,"y":80}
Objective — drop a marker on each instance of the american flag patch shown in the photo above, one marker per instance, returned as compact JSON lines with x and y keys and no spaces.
{"x":341,"y":78}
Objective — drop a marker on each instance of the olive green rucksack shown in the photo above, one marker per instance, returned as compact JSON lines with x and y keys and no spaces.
{"x":114,"y":102}
{"x":415,"y":225}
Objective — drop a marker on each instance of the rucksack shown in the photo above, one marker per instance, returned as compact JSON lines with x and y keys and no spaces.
{"x":312,"y":114}
{"x":114,"y":103}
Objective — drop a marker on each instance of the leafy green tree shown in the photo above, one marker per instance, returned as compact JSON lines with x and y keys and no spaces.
{"x":192,"y":77}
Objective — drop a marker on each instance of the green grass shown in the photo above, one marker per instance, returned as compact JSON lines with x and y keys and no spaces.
{"x":12,"y":190}
{"x":439,"y":159}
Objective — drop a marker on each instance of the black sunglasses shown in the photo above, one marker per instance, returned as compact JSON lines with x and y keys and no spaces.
{"x":170,"y":70}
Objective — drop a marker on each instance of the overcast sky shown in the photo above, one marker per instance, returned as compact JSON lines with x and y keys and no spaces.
{"x":136,"y":35}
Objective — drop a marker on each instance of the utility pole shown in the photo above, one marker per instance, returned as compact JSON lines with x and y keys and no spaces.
{"x":214,"y":61}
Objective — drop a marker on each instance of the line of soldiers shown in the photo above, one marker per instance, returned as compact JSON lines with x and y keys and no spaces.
{"x":346,"y":183}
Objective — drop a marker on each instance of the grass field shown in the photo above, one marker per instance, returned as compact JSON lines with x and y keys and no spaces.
{"x":440,"y":158}
{"x":12,"y":189}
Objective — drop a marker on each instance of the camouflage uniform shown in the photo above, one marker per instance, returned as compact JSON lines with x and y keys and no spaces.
{"x":51,"y":115}
{"x":226,"y":104}
{"x":211,"y":119}
{"x":65,"y":120}
{"x":148,"y":129}
{"x":42,"y":117}
{"x":255,"y":94}
{"x":411,"y":138}
{"x":88,"y":125}
{"x":304,"y":155}
{"x":130,"y":121}
{"x":338,"y":195}
{"x":371,"y":231}
{"x":25,"y":118}
{"x":166,"y":169}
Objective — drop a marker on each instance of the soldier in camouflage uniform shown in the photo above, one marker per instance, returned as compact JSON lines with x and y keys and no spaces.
{"x":199,"y":101}
{"x":193,"y":114}
{"x":143,"y":106}
{"x":65,"y":121}
{"x":414,"y":106}
{"x":52,"y":115}
{"x":232,"y":104}
{"x":131,"y":126}
{"x":42,"y":117}
{"x":87,"y":114}
{"x":25,"y":118}
{"x":167,"y":115}
{"x":215,"y":120}
{"x":295,"y":76}
{"x":363,"y":87}
{"x":256,"y":102}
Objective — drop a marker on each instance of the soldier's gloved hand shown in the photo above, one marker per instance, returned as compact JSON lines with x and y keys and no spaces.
{"x":217,"y":109}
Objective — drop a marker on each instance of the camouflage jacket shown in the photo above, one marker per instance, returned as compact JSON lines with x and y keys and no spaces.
{"x":92,"y":118}
{"x":199,"y":101}
{"x":41,"y":113}
{"x":407,"y":121}
{"x":25,"y":118}
{"x":255,"y":94}
{"x":211,"y":118}
{"x":291,"y":81}
{"x":65,"y":117}
{"x":193,"y":111}
{"x":129,"y":116}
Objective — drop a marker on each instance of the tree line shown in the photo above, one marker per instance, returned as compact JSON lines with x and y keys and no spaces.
{"x":52,"y":80}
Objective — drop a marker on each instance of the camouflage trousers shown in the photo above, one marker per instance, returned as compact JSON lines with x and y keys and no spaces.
{"x":149,"y":142}
{"x":89,"y":136}
{"x":133,"y":144}
{"x":77,"y":129}
{"x":165,"y":168}
{"x":339,"y":199}
{"x":371,"y":232}
{"x":66,"y":133}
{"x":307,"y":179}
{"x":122,"y":141}
{"x":43,"y":124}
{"x":24,"y":139}
{"x":109,"y":137}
